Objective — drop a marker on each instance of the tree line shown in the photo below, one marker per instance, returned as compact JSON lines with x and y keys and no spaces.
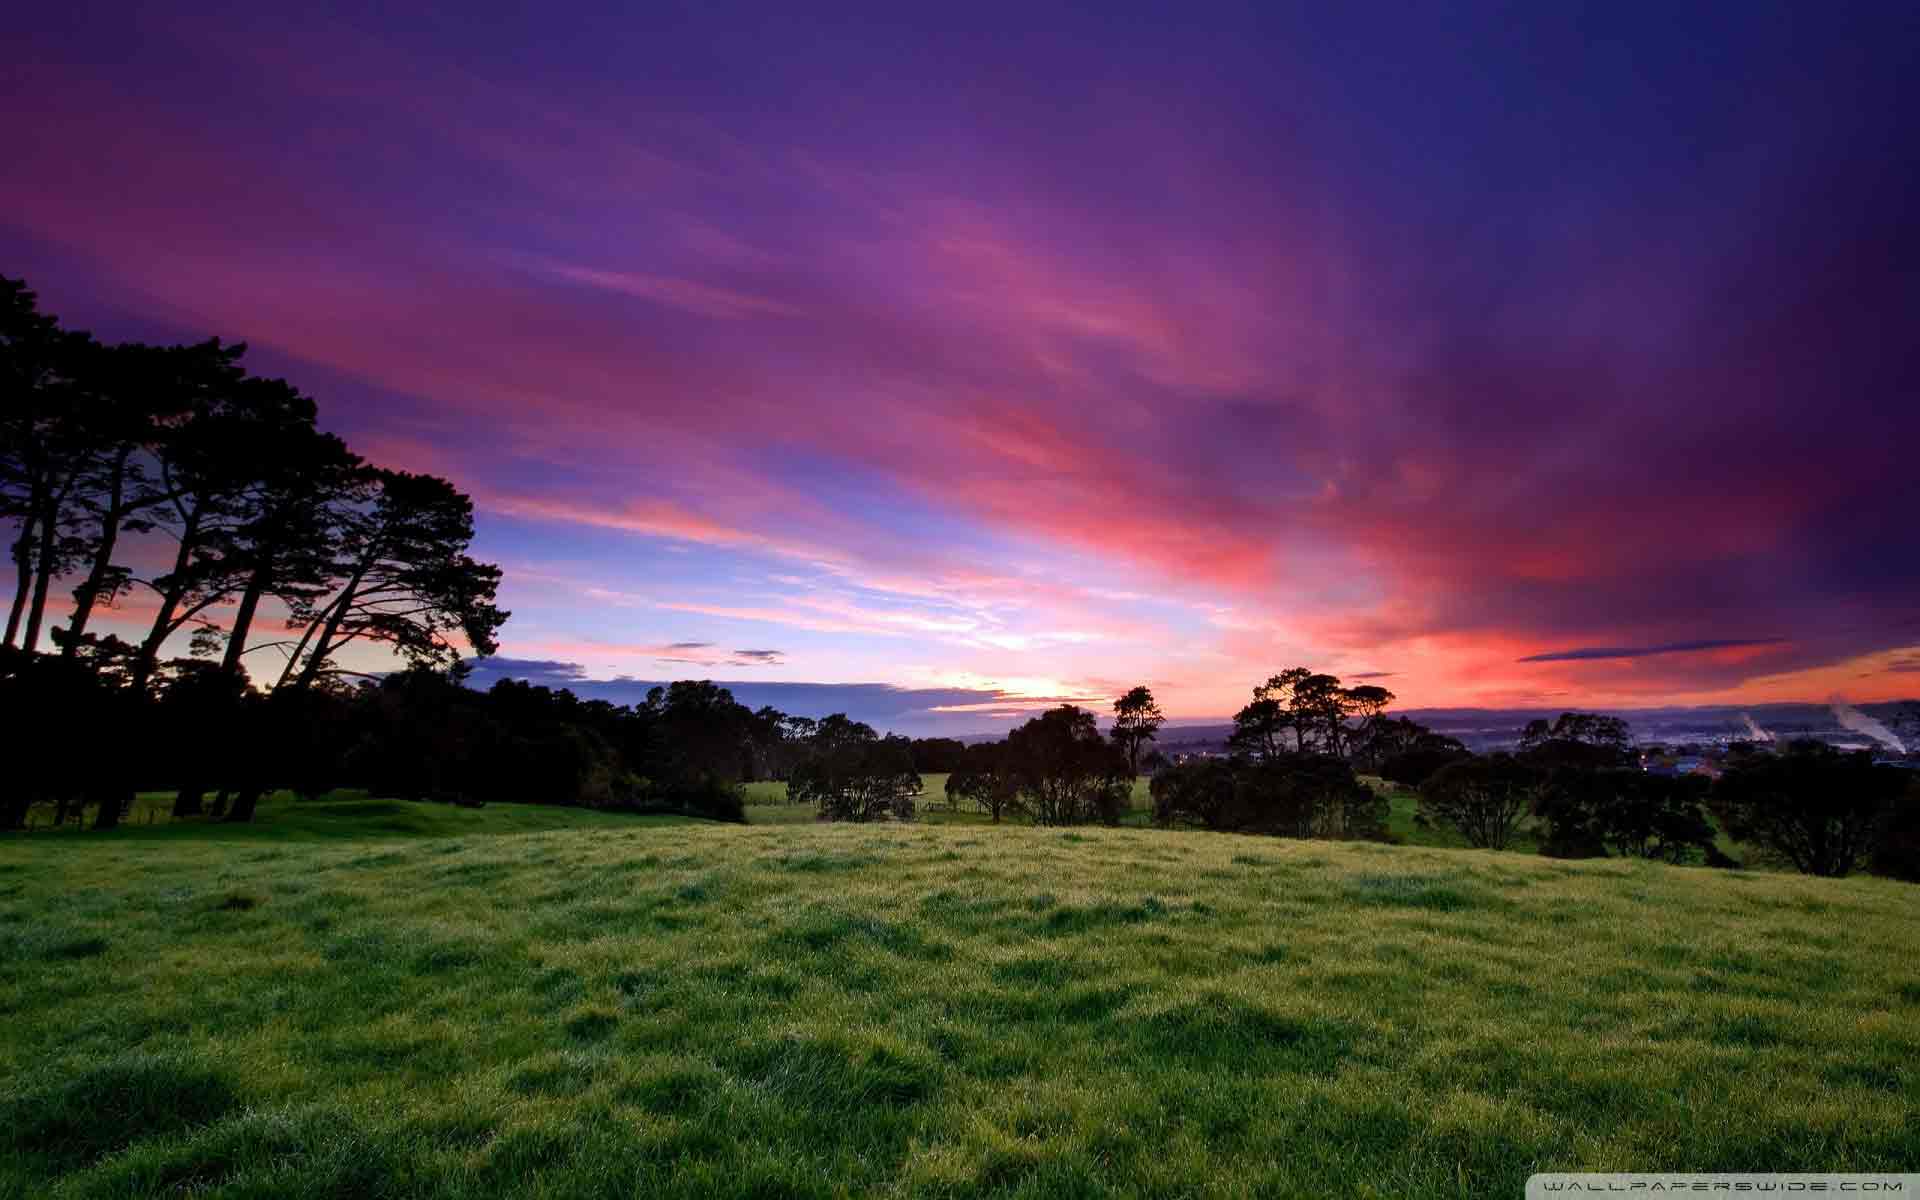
{"x":205,"y":506}
{"x":1574,"y":783}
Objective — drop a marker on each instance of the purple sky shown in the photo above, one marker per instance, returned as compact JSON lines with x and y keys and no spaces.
{"x":1521,"y":355}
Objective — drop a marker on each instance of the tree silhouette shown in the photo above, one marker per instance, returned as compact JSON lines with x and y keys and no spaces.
{"x":402,"y":577}
{"x":852,"y":774}
{"x":42,"y":451}
{"x":1068,"y":774}
{"x":287,"y":538}
{"x":1136,"y":721}
{"x":1812,"y":805}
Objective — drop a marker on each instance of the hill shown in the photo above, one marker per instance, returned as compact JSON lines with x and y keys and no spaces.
{"x":395,"y":1000}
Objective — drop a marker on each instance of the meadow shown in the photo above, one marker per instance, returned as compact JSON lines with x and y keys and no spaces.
{"x":380,"y":998}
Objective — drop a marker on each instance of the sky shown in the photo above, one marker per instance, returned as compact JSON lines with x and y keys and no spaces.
{"x":989,"y":356}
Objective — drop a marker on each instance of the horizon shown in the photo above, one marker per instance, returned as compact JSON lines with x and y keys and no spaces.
{"x":915,"y":713}
{"x":1533,"y":361}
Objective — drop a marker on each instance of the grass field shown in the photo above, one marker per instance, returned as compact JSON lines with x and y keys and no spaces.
{"x":380,"y":998}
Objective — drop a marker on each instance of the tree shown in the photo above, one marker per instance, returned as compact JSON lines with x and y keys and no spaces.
{"x":129,"y":398}
{"x":694,"y":745}
{"x":853,"y":774}
{"x":42,"y":450}
{"x":1136,"y":721}
{"x":1626,"y":812}
{"x":1575,"y":739}
{"x":1320,"y":714}
{"x":1293,"y":795}
{"x":286,"y":539}
{"x":984,"y":778}
{"x":1261,"y":727}
{"x":938,"y":755}
{"x":1369,"y":703}
{"x":1483,"y":798}
{"x":401,"y":577}
{"x":205,"y":465}
{"x":1406,"y":752}
{"x":1068,"y":774}
{"x":1818,"y":808}
{"x":1200,"y":791}
{"x":1897,"y":854}
{"x":1312,"y":706}
{"x":29,"y":368}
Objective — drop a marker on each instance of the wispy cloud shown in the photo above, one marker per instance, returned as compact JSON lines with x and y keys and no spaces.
{"x":702,"y":299}
{"x":1586,"y":653}
{"x":1017,"y":412}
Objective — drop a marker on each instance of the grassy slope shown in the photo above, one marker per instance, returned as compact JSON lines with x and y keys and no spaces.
{"x":462,"y":1008}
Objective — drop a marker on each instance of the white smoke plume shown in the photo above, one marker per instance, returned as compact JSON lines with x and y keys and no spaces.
{"x":1852,"y":718}
{"x":1759,"y":734}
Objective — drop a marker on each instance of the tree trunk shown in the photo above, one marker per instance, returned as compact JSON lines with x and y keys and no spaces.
{"x":22,"y":575}
{"x":243,"y":621}
{"x":324,"y":646}
{"x":88,"y":593}
{"x":149,"y":655}
{"x":219,"y":809}
{"x":42,"y":576}
{"x":243,"y":806}
{"x":61,"y":806}
{"x":190,"y":801}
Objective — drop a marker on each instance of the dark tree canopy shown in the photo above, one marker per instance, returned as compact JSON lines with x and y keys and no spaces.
{"x":851,"y":773}
{"x":1292,"y":795}
{"x":401,"y":576}
{"x":1575,"y":739}
{"x":984,"y":779}
{"x":1067,"y":773}
{"x":1407,"y":753}
{"x":1485,"y":799}
{"x":1316,"y":712}
{"x":1814,"y":806}
{"x":1625,"y":812}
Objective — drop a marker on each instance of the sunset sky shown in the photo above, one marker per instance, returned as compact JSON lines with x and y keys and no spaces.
{"x":1535,"y":354}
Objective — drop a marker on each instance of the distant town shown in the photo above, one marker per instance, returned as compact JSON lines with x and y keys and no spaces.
{"x":1671,"y":741}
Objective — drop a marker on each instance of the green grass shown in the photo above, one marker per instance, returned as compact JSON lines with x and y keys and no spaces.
{"x":346,"y":814}
{"x":410,"y":1000}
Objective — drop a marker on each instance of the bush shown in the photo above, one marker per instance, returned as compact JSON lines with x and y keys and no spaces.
{"x":1483,"y":798}
{"x":1589,"y":814}
{"x":1813,"y":806}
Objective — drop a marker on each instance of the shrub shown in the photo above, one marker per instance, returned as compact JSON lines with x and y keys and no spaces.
{"x":1483,"y":798}
{"x":1813,"y":806}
